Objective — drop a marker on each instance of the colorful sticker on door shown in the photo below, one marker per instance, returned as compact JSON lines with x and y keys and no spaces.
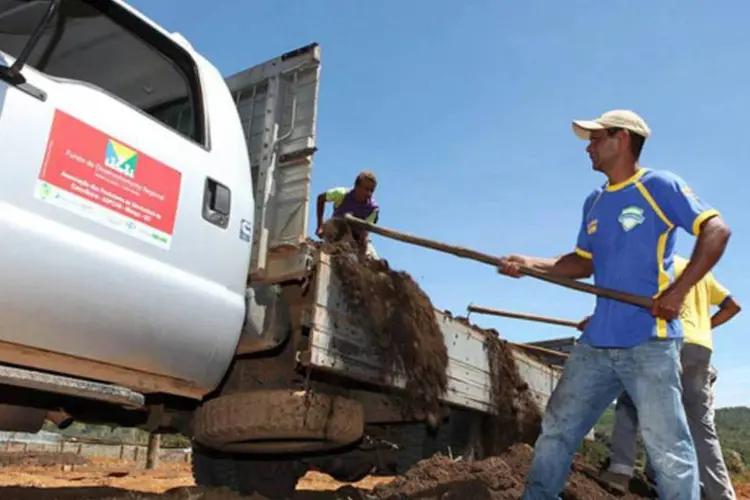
{"x":89,"y":173}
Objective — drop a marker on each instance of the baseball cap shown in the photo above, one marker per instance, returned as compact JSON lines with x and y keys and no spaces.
{"x":620,"y":118}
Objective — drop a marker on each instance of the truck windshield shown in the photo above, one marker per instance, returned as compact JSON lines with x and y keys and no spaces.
{"x":102,"y":44}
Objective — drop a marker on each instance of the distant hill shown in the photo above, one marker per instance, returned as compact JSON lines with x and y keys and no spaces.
{"x":732,"y":426}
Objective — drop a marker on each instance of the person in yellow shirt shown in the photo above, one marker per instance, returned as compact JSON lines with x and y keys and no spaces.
{"x":698,"y":379}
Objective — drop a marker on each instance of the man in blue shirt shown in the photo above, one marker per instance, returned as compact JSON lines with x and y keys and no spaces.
{"x":626,"y":241}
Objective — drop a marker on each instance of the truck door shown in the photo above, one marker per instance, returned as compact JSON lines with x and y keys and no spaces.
{"x":112,"y":228}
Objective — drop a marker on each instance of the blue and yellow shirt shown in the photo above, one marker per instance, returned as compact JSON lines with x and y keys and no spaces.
{"x":628,"y":229}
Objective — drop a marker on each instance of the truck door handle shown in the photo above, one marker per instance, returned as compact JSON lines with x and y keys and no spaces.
{"x":217,"y":203}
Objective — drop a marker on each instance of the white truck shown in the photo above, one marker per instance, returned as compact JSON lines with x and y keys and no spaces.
{"x":156,"y":267}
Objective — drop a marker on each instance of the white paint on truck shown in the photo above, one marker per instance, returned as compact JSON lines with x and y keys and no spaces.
{"x":107,"y":266}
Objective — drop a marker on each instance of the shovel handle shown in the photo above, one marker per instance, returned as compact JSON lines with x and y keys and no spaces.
{"x":467,"y":253}
{"x":528,"y":317}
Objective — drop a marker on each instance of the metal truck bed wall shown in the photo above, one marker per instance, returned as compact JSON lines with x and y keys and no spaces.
{"x":337,"y":346}
{"x":277,"y":103}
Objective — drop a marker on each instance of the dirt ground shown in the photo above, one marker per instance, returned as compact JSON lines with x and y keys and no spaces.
{"x":498,"y":478}
{"x":105,"y":479}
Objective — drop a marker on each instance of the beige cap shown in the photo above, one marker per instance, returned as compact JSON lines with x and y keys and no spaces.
{"x":621,"y":118}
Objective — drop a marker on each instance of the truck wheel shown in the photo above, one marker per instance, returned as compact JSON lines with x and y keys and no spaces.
{"x":347,"y":467}
{"x":270,"y":477}
{"x":274,"y":421}
{"x":212,"y":469}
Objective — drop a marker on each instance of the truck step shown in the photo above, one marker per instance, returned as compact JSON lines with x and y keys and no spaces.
{"x":59,"y":384}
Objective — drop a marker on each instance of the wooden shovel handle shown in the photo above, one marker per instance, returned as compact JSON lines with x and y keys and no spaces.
{"x":467,"y":253}
{"x":528,"y":317}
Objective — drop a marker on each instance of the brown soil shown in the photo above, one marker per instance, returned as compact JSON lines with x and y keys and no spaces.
{"x":392,"y":306}
{"x":496,"y":478}
{"x":517,"y":418}
{"x":102,"y":479}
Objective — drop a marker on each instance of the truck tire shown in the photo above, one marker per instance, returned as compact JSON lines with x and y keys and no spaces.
{"x":278,"y":420}
{"x":270,"y":477}
{"x":211,"y":469}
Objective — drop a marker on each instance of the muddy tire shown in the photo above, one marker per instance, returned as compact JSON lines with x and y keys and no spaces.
{"x":277,"y":421}
{"x":270,"y":477}
{"x":212,"y":469}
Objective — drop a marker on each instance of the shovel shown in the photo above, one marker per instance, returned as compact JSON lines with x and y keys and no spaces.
{"x":465,"y":253}
{"x":529,"y":317}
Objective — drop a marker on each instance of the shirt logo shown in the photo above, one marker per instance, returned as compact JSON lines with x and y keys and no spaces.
{"x":630,"y":217}
{"x":592,"y":226}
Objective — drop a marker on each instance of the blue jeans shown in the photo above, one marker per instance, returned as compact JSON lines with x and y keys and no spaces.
{"x":592,"y":379}
{"x":698,"y":379}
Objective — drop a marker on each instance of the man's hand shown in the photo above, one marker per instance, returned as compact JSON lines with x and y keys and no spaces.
{"x":669,"y":304}
{"x":510,"y":265}
{"x":582,"y":325}
{"x":319,"y":231}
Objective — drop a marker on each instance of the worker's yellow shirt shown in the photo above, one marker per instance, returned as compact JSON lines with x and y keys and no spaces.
{"x":696,"y":312}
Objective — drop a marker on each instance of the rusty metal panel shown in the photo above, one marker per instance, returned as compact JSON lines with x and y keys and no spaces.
{"x":338,"y":346}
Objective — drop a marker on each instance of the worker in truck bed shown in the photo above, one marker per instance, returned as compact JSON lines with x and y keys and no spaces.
{"x":698,"y":379}
{"x":357,"y":201}
{"x":626,"y":240}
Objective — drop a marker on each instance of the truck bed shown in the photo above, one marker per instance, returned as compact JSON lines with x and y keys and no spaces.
{"x":339,"y":347}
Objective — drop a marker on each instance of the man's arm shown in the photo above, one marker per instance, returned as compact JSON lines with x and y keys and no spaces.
{"x":570,"y":265}
{"x":320,"y":211}
{"x":727,"y":310}
{"x":335,"y":195}
{"x":684,"y":209}
{"x":712,"y":240}
{"x":720,"y":296}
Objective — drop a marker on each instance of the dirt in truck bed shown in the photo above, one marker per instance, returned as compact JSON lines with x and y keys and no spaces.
{"x":517,"y":417}
{"x":401,"y":317}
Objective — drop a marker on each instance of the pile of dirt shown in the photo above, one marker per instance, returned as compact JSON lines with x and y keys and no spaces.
{"x":41,"y":459}
{"x":496,"y":478}
{"x":392,"y":306}
{"x":517,"y":417}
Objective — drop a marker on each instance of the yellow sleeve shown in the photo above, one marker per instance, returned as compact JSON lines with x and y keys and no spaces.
{"x":718,"y":291}
{"x":336,"y":195}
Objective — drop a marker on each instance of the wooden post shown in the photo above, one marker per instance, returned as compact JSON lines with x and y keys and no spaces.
{"x":152,"y":454}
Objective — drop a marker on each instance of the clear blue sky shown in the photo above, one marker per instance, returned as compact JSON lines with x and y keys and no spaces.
{"x":464,"y":110}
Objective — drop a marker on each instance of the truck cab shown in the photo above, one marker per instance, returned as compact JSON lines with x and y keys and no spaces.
{"x":128,"y":198}
{"x":157,"y":267}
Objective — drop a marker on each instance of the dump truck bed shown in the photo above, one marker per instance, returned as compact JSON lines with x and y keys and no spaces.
{"x":337,"y":346}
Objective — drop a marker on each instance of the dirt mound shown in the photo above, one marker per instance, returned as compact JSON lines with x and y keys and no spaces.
{"x":401,"y":317}
{"x":496,"y":478}
{"x":517,"y":417}
{"x":31,"y":459}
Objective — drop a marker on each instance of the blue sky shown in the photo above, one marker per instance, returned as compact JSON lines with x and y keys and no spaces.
{"x":464,"y":110}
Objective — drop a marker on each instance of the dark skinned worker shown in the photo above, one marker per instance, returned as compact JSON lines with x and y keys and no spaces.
{"x":698,"y":379}
{"x":357,"y":201}
{"x":626,"y":241}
